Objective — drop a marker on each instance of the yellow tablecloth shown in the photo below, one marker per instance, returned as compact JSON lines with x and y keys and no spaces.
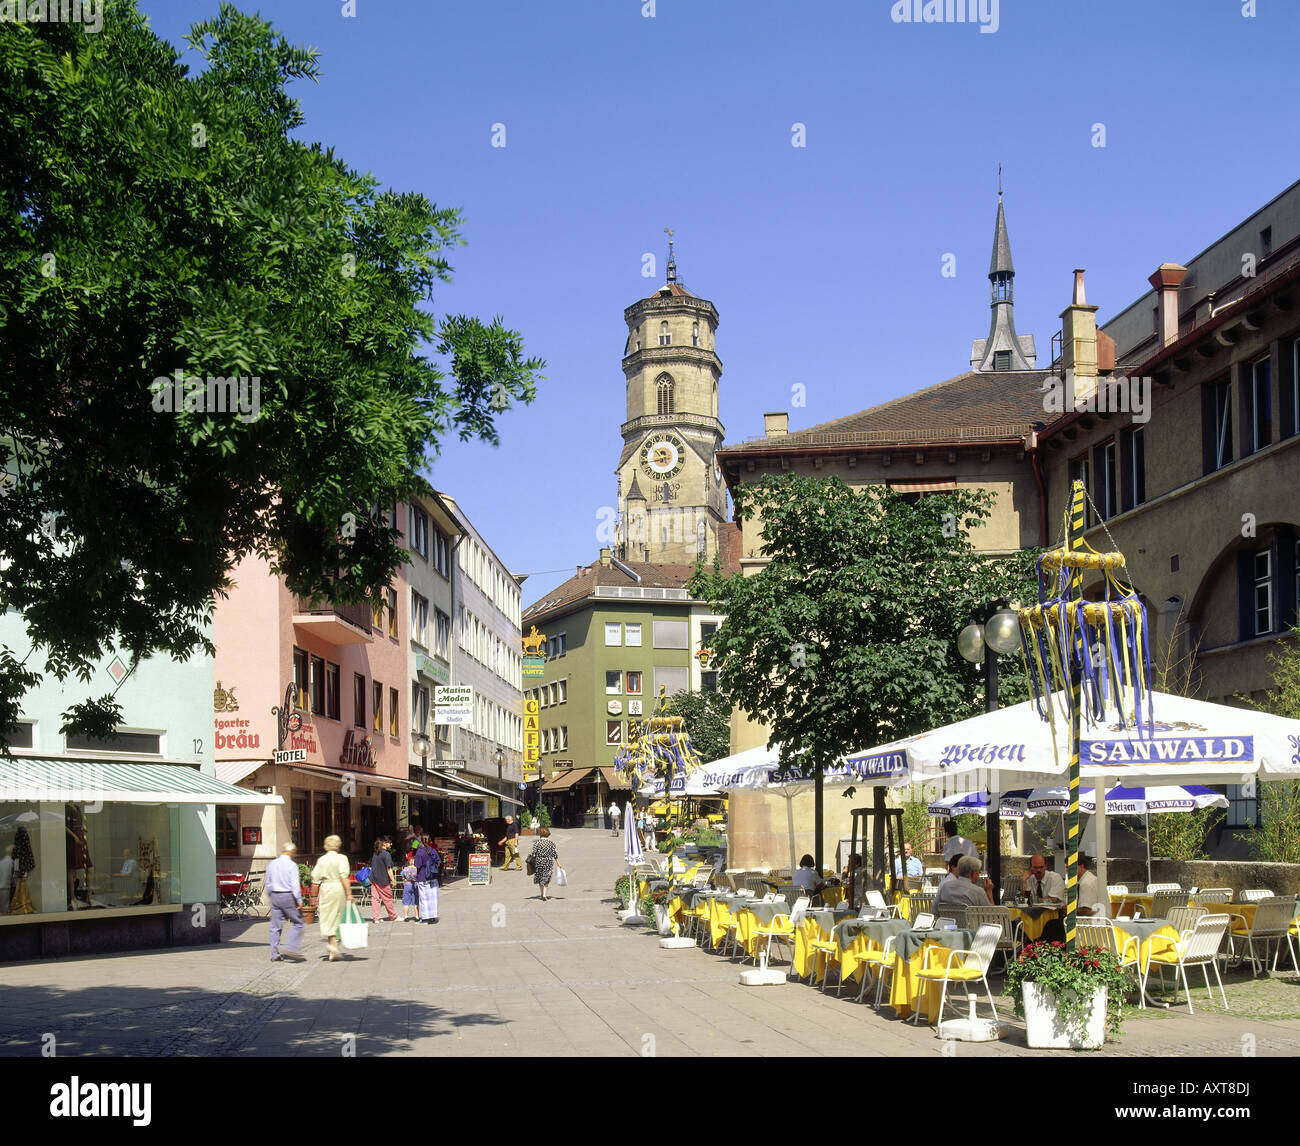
{"x":1124,"y":904}
{"x":908,"y":992}
{"x":834,"y":895}
{"x":1033,"y":922}
{"x":719,"y":920}
{"x":1247,"y":913}
{"x":904,"y":904}
{"x":1162,"y":940}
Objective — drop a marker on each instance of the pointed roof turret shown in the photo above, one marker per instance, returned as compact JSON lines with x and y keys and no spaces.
{"x":1000,"y":263}
{"x":1003,"y":349}
{"x":634,"y":491}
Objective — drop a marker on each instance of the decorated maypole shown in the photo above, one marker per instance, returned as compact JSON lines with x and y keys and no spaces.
{"x":661,"y":745}
{"x":1087,"y":656}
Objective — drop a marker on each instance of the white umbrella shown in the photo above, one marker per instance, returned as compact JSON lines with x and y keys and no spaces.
{"x":632,"y":852}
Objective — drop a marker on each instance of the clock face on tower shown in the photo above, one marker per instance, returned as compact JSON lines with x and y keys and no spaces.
{"x":663,"y":456}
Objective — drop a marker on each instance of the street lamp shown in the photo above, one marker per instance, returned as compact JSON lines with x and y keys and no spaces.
{"x":421,"y":744}
{"x":1000,"y":633}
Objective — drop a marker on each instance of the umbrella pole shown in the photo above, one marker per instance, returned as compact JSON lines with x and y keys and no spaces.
{"x":1147,"y":817}
{"x":789,"y":819}
{"x":1074,"y":543}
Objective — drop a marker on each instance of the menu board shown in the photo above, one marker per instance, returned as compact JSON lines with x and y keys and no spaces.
{"x":480,"y":868}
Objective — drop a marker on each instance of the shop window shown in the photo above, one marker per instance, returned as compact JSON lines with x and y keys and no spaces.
{"x":227,"y":830}
{"x":299,"y":813}
{"x":320,"y":821}
{"x":148,"y":743}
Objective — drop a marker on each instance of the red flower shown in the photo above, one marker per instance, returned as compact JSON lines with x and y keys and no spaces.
{"x":1057,"y":943}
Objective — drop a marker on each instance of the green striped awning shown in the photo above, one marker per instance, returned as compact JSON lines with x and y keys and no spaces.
{"x":79,"y":780}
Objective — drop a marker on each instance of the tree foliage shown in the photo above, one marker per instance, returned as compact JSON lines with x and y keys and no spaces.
{"x":847,"y":638}
{"x":707,"y":719}
{"x":1277,"y":839}
{"x":162,"y":224}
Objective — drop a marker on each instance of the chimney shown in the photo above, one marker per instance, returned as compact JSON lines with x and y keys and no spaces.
{"x":1167,"y":279}
{"x":776,"y":425}
{"x":604,"y":555}
{"x":1079,"y":341}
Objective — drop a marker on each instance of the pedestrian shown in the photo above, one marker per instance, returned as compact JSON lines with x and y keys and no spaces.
{"x":330,"y":875}
{"x":613,"y":817}
{"x":544,"y":858}
{"x":284,"y":886}
{"x":510,"y":841}
{"x":381,"y":881}
{"x":428,"y":866}
{"x":410,"y":898}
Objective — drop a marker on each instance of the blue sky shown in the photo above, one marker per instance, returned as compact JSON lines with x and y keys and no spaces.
{"x":824,"y":261}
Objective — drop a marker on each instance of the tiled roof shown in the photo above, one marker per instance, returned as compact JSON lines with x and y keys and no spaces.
{"x":992,"y":406}
{"x":582,"y":583}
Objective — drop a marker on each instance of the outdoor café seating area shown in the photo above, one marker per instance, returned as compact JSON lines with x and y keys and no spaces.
{"x":907,"y":959}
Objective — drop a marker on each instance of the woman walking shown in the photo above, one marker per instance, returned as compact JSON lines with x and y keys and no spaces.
{"x":381,"y":881}
{"x":544,"y":859}
{"x":428,"y":867}
{"x":329,"y":880}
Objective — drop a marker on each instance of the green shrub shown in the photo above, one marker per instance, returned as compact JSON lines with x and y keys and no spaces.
{"x":543,"y":816}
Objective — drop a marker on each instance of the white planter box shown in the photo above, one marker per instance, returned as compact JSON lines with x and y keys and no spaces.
{"x":663,"y":921}
{"x":1045,"y":1029}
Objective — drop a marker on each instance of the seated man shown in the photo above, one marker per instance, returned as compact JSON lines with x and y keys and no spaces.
{"x":1043,"y":885}
{"x":1090,"y":901}
{"x":907,"y":864}
{"x":966,"y":887}
{"x":952,"y":870}
{"x":807,"y":877}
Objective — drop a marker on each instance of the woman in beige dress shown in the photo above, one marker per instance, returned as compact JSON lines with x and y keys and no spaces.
{"x":329,"y":880}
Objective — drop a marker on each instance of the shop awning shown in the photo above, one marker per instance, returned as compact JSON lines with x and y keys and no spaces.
{"x":387,"y":783}
{"x":567,"y":779}
{"x":68,"y":780}
{"x":923,"y":485}
{"x":470,"y":788}
{"x":232,"y":771}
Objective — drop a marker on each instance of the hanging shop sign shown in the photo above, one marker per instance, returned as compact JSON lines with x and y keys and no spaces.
{"x":531,"y":666}
{"x":453,"y":704}
{"x":290,"y":756}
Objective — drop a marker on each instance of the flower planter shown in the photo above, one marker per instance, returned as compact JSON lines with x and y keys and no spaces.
{"x":663,"y":921}
{"x":308,"y":908}
{"x":1045,"y":1029}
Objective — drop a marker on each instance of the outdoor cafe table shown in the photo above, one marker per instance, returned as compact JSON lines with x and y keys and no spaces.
{"x":910,"y":948}
{"x":1033,"y":918}
{"x":1124,"y":904}
{"x":1152,"y":935}
{"x":754,"y":916}
{"x":852,"y":937}
{"x":719,"y":914}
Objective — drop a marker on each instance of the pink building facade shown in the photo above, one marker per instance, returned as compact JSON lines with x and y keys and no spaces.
{"x":313,"y":704}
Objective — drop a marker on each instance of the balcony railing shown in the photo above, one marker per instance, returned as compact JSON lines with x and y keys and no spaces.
{"x":338,"y":624}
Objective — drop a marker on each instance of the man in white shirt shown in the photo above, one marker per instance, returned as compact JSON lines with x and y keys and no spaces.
{"x":1045,"y":886}
{"x":614,"y":814}
{"x":1090,"y":901}
{"x":952,"y":873}
{"x":284,"y":887}
{"x":957,"y":845}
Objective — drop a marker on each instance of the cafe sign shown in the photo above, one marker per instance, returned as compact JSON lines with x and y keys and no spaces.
{"x":1168,"y":750}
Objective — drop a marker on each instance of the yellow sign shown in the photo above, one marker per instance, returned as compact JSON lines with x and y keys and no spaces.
{"x":533,"y":737}
{"x":530,"y":724}
{"x":531,"y":707}
{"x":532,"y":753}
{"x":529,"y":777}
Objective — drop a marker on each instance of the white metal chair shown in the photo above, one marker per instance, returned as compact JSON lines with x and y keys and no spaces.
{"x":1212,"y":895}
{"x":1272,"y":924}
{"x":882,"y":962}
{"x":1198,"y":946}
{"x":922,"y":921}
{"x":1117,"y":889}
{"x":969,"y":966}
{"x":1094,"y":931}
{"x":1153,"y":888}
{"x":877,"y":899}
{"x":782,"y":928}
{"x":1184,"y":918}
{"x":1008,"y":942}
{"x":1255,"y":894}
{"x":1163,"y":902}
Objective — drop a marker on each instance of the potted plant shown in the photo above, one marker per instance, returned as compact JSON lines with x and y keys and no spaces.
{"x":1067,"y":998}
{"x":623,"y":890}
{"x":308,"y":904}
{"x":655,"y":905}
{"x":525,"y":823}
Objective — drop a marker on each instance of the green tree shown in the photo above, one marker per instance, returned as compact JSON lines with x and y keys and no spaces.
{"x":847,"y":638}
{"x":707,"y":719}
{"x":1277,"y":839}
{"x":160,"y":224}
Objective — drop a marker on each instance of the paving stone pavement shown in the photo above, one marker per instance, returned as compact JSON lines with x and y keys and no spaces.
{"x":505,"y":974}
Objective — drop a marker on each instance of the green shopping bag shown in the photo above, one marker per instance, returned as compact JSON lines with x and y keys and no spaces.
{"x":352,"y":928}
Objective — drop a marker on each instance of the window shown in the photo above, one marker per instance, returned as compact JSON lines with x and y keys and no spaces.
{"x":1259,"y":407}
{"x":377,"y":615}
{"x":614,"y":683}
{"x":634,"y":684}
{"x":1216,"y":424}
{"x":695,"y":334}
{"x":1263,"y":591}
{"x":358,"y":700}
{"x":1265,"y":242}
{"x":377,"y":702}
{"x":227,"y":830}
{"x":664,"y":393}
{"x":300,"y":677}
{"x":22,"y":735}
{"x":674,"y":678}
{"x":561,"y":644}
{"x":1268,"y":583}
{"x":1243,"y":810}
{"x":318,"y":685}
{"x":392,"y":612}
{"x":145,"y":742}
{"x":392,"y":712}
{"x":419,"y":619}
{"x":332,"y":690}
{"x":554,"y":690}
{"x":1002,"y":360}
{"x":564,"y":690}
{"x":632,"y":635}
{"x":665,"y":339}
{"x":419,"y":707}
{"x":670,"y":634}
{"x":1105,"y":464}
{"x":420,"y":531}
{"x":709,"y":681}
{"x":442,"y":553}
{"x":321,"y":820}
{"x":544,"y":698}
{"x":442,"y":634}
{"x":613,"y":633}
{"x":1133,"y":463}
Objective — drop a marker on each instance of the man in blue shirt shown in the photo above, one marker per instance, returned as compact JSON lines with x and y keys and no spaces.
{"x":285,"y":889}
{"x":914,"y":869}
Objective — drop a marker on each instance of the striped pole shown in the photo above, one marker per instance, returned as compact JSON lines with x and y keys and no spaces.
{"x":1074,"y":543}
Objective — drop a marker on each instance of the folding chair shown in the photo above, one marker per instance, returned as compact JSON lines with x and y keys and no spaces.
{"x":1153,"y":888}
{"x":783,"y":927}
{"x":1214,"y":895}
{"x":877,"y":899}
{"x":1255,"y":894}
{"x":1184,"y":918}
{"x":1196,"y":947}
{"x":1163,"y":902}
{"x":1008,"y":943}
{"x":1272,"y":924}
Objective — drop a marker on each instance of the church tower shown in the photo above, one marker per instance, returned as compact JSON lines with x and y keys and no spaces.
{"x":1003,"y":349}
{"x":671,"y":498}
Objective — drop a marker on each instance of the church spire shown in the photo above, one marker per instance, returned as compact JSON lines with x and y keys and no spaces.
{"x":1003,"y":349}
{"x":672,"y":260}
